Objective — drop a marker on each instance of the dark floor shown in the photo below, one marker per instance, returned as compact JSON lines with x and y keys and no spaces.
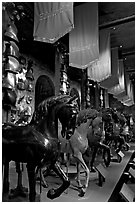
{"x":94,"y":193}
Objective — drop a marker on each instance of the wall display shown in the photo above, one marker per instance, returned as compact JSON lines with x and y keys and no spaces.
{"x":10,"y":67}
{"x":17,"y":80}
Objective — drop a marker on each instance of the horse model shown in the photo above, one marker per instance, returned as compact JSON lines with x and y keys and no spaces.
{"x":37,"y":143}
{"x":113,"y":122}
{"x":79,"y":142}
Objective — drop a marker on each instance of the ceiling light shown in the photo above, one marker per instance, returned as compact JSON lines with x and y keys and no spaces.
{"x":120,"y":46}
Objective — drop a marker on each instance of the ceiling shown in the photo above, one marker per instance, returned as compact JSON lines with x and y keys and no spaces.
{"x":119,"y":17}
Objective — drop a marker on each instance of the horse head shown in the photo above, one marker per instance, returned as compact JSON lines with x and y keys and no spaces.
{"x":67,"y":115}
{"x":97,"y":125}
{"x":107,"y":114}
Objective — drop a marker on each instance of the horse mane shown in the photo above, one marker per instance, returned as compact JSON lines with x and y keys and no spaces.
{"x":85,"y":114}
{"x":43,"y":108}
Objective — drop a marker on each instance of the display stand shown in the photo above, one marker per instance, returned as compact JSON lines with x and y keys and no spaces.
{"x":131,"y":165}
{"x":102,"y":173}
{"x":127,"y":194}
{"x":127,"y":146}
{"x":132,"y":172}
{"x":120,"y":155}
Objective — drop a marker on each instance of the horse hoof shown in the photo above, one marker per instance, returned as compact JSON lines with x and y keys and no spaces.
{"x":82,"y":193}
{"x":18,"y":191}
{"x":51,"y":194}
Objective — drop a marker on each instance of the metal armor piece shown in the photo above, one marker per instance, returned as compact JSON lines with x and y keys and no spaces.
{"x":12,"y":65}
{"x":21,"y":85}
{"x":30,"y":87}
{"x":29,"y":74}
{"x":11,"y":49}
{"x":29,"y":99}
{"x":9,"y":97}
{"x":11,"y":32}
{"x":9,"y":80}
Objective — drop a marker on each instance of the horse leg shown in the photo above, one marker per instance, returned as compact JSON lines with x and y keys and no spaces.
{"x":78,"y":175}
{"x":44,"y":183}
{"x":40,"y":177}
{"x":95,"y":148}
{"x":120,"y":140}
{"x":6,"y":177}
{"x":19,"y":190}
{"x":54,"y":193}
{"x":32,"y":182}
{"x":106,"y":150}
{"x":80,"y":159}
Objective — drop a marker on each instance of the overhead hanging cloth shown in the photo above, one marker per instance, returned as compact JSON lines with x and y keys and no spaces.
{"x":121,"y":95}
{"x":113,"y":79}
{"x":128,"y":100}
{"x":52,"y":20}
{"x":120,"y":87}
{"x":129,"y":103}
{"x":129,"y":88}
{"x":83,"y":39}
{"x":128,"y":93}
{"x":101,"y":69}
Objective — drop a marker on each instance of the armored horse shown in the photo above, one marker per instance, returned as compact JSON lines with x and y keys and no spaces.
{"x":87,"y":128}
{"x":37,"y":143}
{"x":113,"y":122}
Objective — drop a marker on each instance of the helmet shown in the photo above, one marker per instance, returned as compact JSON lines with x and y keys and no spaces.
{"x":9,"y":81}
{"x":12,"y":65}
{"x":11,"y":49}
{"x":9,"y":97}
{"x":11,"y":32}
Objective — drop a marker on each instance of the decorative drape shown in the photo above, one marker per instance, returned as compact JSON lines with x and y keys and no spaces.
{"x":121,"y":95}
{"x":83,"y":39}
{"x":129,"y":88}
{"x":126,"y":97}
{"x":113,"y":79}
{"x":121,"y":86}
{"x":128,"y":103}
{"x":101,"y":69}
{"x":52,"y":20}
{"x":130,"y":100}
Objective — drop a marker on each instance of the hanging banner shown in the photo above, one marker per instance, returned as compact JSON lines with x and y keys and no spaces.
{"x":121,"y":86}
{"x":52,"y":20}
{"x":128,"y":93}
{"x":129,"y":88}
{"x":121,"y":95}
{"x":83,"y":39}
{"x":113,"y":79}
{"x":101,"y":69}
{"x":129,"y":103}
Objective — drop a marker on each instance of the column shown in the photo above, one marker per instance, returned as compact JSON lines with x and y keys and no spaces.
{"x":83,"y":88}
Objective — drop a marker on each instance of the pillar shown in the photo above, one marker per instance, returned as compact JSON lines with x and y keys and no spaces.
{"x":83,"y":88}
{"x":97,"y":96}
{"x":106,"y":99}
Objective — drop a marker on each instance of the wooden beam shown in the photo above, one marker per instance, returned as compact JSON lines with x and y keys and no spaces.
{"x":117,"y":22}
{"x":124,"y":54}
